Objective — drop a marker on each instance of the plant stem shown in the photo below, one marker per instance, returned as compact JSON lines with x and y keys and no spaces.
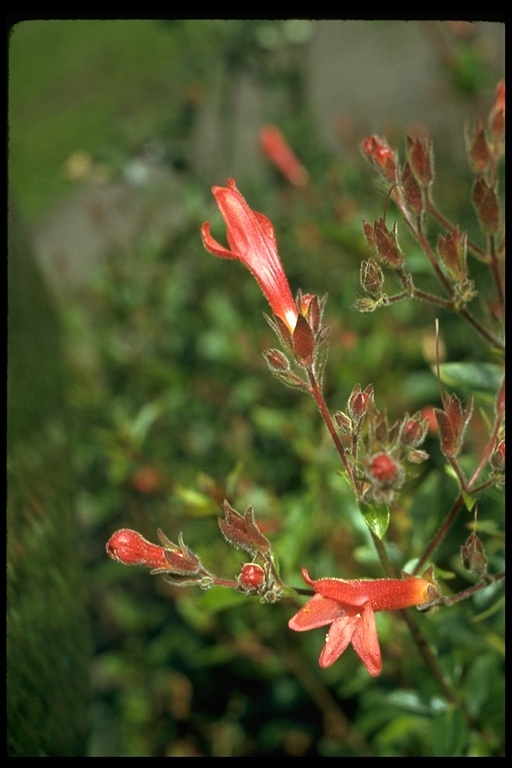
{"x":440,"y":534}
{"x":326,"y":416}
{"x":419,"y":639}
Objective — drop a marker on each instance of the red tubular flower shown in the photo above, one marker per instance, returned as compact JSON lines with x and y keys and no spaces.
{"x":130,"y":548}
{"x":279,"y":152}
{"x":349,"y":607}
{"x":252,"y":241}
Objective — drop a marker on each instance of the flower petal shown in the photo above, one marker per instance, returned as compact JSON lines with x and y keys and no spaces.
{"x":339,"y":636}
{"x":213,"y":246}
{"x":365,"y":641}
{"x":317,"y":612}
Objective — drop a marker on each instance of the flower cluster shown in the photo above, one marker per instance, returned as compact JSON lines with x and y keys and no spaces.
{"x":379,"y":451}
{"x":181,"y":567}
{"x":375,"y":454}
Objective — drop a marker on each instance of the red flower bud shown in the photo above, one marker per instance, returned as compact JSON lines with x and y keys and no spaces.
{"x":487,"y":205}
{"x":414,"y":431}
{"x":478,"y":151}
{"x":277,"y":362}
{"x":412,"y":191}
{"x":303,"y":342}
{"x":386,"y":244}
{"x":242,"y":532}
{"x":359,"y":402}
{"x":452,"y":422}
{"x":384,"y":470}
{"x":420,"y":156}
{"x":381,"y":157}
{"x":452,"y":249}
{"x":251,"y":577}
{"x":130,"y":548}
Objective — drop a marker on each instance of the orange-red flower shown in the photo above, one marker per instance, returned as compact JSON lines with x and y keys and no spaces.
{"x":252,"y":241}
{"x":349,"y":605}
{"x":279,"y":152}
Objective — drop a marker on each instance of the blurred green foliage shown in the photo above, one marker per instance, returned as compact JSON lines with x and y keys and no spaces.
{"x":174,"y":410}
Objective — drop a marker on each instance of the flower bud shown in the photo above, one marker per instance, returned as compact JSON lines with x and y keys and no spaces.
{"x":413,"y":430}
{"x":452,"y":249}
{"x":251,"y":577}
{"x":366,"y":305}
{"x":487,"y":205}
{"x":242,"y":532}
{"x":421,"y":160}
{"x":303,"y":342}
{"x":384,"y":471}
{"x":498,"y":457}
{"x":412,"y":191}
{"x":381,"y":157}
{"x":359,"y":401}
{"x":371,"y":277}
{"x":386,"y":244}
{"x":452,"y":422}
{"x":473,"y":555}
{"x":343,"y":422}
{"x":276,"y":360}
{"x":479,"y":152}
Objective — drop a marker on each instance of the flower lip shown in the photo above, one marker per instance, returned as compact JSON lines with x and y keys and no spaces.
{"x":252,"y":241}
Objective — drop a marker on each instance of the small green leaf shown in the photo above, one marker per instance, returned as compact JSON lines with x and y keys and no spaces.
{"x":376,"y":518}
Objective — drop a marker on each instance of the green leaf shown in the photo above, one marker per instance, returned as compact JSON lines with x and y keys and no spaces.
{"x":376,"y":518}
{"x":484,"y":377}
{"x":450,"y":732}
